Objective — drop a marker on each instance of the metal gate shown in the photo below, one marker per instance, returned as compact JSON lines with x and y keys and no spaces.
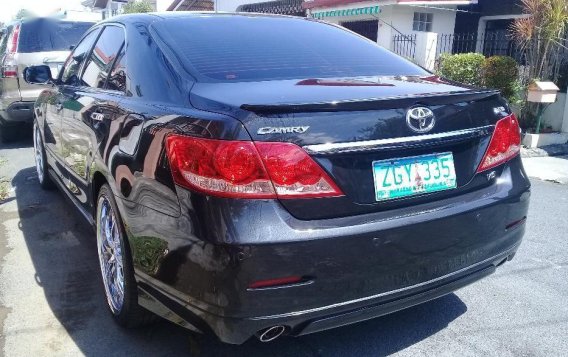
{"x":404,"y":45}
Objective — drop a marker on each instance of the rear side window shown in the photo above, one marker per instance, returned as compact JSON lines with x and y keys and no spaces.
{"x":254,"y":48}
{"x":103,"y":56}
{"x":4,"y":40}
{"x":71,"y":68}
{"x":117,"y":78}
{"x":45,"y":35}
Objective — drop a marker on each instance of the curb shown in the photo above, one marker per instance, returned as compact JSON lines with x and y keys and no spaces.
{"x":549,"y":150}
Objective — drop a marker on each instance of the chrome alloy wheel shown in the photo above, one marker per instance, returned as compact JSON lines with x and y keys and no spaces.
{"x":110,"y":255}
{"x":38,"y":153}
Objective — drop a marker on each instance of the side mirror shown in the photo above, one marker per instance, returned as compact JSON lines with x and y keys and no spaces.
{"x":38,"y":75}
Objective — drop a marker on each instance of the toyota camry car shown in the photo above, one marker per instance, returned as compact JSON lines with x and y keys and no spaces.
{"x":269,"y":175}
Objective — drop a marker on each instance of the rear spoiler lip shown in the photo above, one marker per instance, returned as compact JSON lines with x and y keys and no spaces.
{"x":372,"y":103}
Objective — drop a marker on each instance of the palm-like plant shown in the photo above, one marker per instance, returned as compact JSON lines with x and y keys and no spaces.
{"x":542,"y":37}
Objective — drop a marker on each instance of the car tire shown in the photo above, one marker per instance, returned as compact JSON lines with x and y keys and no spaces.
{"x":42,"y":167}
{"x":120,"y":287}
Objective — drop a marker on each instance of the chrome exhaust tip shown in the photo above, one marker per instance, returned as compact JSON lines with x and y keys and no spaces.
{"x":271,"y":333}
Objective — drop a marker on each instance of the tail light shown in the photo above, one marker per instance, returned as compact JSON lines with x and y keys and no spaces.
{"x":9,"y":65}
{"x":505,"y":143}
{"x":13,"y":40}
{"x":243,"y":169}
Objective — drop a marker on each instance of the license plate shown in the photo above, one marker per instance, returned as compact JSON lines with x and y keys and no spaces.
{"x":398,"y":178}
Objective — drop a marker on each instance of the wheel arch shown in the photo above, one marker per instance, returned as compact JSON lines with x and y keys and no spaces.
{"x":97,"y":182}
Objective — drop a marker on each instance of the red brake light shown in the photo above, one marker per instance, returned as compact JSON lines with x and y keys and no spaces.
{"x":505,"y":143}
{"x":13,"y":42}
{"x":9,"y":66}
{"x":241,"y":169}
{"x":294,"y":173}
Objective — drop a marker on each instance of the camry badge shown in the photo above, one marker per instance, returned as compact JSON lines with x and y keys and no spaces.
{"x":282,"y":130}
{"x":420,"y":119}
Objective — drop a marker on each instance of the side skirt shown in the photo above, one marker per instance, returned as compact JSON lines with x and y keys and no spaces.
{"x":62,"y":187}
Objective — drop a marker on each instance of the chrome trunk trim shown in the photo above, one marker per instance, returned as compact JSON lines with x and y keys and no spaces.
{"x":401,"y":142}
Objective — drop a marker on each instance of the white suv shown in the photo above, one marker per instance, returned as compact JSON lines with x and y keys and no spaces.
{"x":25,"y":43}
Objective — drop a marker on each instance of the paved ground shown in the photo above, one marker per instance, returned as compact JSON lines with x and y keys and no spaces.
{"x":553,"y":169}
{"x":51,"y":301}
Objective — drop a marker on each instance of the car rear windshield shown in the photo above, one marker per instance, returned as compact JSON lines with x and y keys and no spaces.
{"x":258,"y":48}
{"x":45,"y":35}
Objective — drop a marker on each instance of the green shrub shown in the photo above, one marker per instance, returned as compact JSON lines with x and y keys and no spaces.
{"x":137,"y":6}
{"x":502,"y":72}
{"x":464,"y":68}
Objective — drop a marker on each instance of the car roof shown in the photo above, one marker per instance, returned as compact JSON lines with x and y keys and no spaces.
{"x":32,"y":19}
{"x":157,"y":16}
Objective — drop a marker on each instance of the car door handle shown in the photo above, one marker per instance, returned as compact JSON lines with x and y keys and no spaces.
{"x":97,"y":116}
{"x":59,"y":107}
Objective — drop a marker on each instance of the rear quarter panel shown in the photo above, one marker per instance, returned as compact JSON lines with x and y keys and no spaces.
{"x":30,"y":92}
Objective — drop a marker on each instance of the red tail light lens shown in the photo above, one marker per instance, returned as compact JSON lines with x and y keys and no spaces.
{"x":294,"y":173}
{"x":13,"y":41}
{"x":240,"y":169}
{"x":505,"y":143}
{"x":9,"y":66}
{"x":221,"y":168}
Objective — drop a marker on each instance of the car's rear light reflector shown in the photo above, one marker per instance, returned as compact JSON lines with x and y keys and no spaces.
{"x":504,"y":145}
{"x":271,"y":283}
{"x":516,"y":223}
{"x":241,"y":169}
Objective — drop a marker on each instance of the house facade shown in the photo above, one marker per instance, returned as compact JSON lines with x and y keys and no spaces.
{"x":489,"y":23}
{"x":110,"y":8}
{"x":383,"y":20}
{"x":488,"y":16}
{"x":107,"y":8}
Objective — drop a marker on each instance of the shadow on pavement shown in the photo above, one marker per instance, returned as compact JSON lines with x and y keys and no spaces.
{"x":63,"y":251}
{"x":22,"y":138}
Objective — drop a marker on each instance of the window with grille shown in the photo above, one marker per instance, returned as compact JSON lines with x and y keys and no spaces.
{"x":422,"y":21}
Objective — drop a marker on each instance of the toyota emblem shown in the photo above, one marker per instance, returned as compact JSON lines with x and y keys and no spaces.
{"x":420,"y":119}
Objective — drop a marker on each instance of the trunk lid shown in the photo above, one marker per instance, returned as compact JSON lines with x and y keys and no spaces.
{"x":348,"y":124}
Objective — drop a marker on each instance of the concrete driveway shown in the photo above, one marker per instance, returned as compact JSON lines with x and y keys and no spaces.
{"x":52,"y":304}
{"x":554,"y":169}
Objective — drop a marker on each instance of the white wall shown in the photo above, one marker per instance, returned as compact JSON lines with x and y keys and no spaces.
{"x":74,"y":15}
{"x":554,"y":115}
{"x":395,"y":19}
{"x":565,"y":122}
{"x":162,"y":5}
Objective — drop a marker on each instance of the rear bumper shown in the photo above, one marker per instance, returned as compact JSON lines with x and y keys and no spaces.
{"x":18,"y":113}
{"x":355,"y":268}
{"x":298,"y":323}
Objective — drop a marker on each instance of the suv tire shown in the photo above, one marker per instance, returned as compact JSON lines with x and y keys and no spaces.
{"x":42,"y":167}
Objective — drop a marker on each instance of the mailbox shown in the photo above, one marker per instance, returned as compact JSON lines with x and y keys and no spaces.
{"x":542,"y":92}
